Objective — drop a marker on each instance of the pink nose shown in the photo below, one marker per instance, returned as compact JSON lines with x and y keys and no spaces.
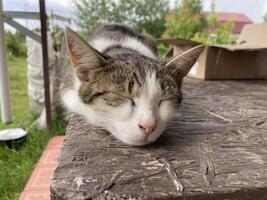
{"x":147,"y":128}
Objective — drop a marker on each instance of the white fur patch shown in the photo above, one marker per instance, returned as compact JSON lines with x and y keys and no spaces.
{"x":129,"y":42}
{"x":123,"y":121}
{"x":146,"y":109}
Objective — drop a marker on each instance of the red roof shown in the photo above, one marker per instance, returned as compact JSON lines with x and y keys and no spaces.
{"x":240,"y":19}
{"x":237,"y":17}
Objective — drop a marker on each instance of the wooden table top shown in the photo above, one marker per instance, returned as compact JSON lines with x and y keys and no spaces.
{"x":215,"y":149}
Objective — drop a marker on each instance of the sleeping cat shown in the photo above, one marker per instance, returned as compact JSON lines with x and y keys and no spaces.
{"x":121,"y":86}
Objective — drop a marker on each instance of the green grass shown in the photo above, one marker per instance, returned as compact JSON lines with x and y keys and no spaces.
{"x":17,"y":159}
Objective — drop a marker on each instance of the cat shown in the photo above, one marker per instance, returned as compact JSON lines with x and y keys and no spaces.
{"x":120,"y":84}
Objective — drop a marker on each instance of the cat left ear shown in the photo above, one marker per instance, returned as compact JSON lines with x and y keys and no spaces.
{"x":181,"y":64}
{"x":83,"y":56}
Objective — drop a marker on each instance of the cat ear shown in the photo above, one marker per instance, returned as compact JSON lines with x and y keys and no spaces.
{"x":84,"y":57}
{"x":181,"y":64}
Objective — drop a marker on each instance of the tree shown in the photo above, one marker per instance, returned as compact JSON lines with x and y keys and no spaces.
{"x":16,"y":44}
{"x":216,"y":33}
{"x":187,"y":21}
{"x":219,"y":33}
{"x":143,"y":15}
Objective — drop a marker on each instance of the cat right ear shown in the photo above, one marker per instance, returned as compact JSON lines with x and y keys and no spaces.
{"x":181,"y":64}
{"x":84,"y":57}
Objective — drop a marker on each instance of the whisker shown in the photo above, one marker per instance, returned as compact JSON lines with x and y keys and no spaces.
{"x":186,"y":59}
{"x":179,"y":66}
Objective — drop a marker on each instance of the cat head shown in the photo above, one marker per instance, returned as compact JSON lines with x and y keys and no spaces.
{"x":132,"y":96}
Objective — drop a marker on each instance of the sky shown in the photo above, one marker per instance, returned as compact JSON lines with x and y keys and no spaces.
{"x":255,"y":9}
{"x":60,"y":7}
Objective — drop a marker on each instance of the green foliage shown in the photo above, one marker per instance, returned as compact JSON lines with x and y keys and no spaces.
{"x":188,"y":20}
{"x":18,"y":158}
{"x":217,"y":33}
{"x":16,"y":44}
{"x":163,"y":49}
{"x":144,"y":15}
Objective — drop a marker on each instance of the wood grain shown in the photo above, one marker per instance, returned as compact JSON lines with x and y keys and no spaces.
{"x":215,"y":149}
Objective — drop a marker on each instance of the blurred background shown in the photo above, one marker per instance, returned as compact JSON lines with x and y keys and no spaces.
{"x":212,"y":22}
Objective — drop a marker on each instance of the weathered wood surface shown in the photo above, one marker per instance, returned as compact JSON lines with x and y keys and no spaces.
{"x":216,"y":147}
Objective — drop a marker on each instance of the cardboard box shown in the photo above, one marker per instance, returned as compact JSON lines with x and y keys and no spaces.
{"x":220,"y":62}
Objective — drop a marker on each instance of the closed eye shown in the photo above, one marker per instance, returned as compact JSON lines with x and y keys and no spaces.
{"x":125,"y":97}
{"x":120,"y":95}
{"x":98,"y":94}
{"x":132,"y":103}
{"x":131,"y":100}
{"x":167,"y":99}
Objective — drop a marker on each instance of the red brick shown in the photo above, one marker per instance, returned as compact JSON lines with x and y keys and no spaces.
{"x":35,"y":195}
{"x":38,"y":184}
{"x":55,"y":142}
{"x":49,"y":157}
{"x":40,"y":178}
